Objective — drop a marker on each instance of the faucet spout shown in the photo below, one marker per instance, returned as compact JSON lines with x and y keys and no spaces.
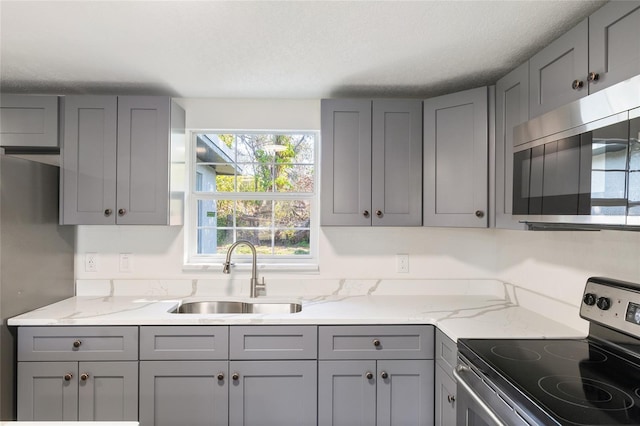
{"x":226,"y":266}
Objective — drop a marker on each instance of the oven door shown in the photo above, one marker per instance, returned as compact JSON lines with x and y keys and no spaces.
{"x":480,"y":403}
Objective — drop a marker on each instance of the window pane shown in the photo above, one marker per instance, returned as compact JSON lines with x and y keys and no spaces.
{"x":255,"y":178}
{"x":214,"y":241}
{"x":213,"y":213}
{"x":292,"y":242}
{"x":255,"y":148}
{"x":294,"y":178}
{"x":260,"y":238}
{"x":214,"y":178}
{"x":292,"y":214}
{"x":303,"y":148}
{"x":254,"y":213}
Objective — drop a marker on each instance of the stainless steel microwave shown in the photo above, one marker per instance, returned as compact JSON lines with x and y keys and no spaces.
{"x":580,"y":164}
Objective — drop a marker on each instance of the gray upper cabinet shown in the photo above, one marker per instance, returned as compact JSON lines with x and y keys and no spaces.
{"x":512,"y":108}
{"x":371,"y":173}
{"x":456,"y":159}
{"x":558,"y":73}
{"x":614,"y":44}
{"x":116,"y":160}
{"x":29,"y":121}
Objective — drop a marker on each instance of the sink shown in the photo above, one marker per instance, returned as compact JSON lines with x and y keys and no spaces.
{"x":227,"y":307}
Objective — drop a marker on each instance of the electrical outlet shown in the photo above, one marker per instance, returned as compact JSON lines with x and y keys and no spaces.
{"x":402,"y":263}
{"x":126,"y":262}
{"x":91,"y":262}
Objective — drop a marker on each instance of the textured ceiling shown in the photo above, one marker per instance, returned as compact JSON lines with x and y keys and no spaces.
{"x":272,"y":49}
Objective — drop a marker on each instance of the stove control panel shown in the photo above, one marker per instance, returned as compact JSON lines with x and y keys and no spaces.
{"x":615,"y":304}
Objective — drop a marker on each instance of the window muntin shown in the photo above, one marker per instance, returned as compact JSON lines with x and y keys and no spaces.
{"x":255,"y":186}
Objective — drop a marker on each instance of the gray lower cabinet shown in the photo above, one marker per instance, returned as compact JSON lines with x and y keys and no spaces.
{"x":445,"y":385}
{"x":220,"y":375}
{"x":456,"y":153}
{"x":371,"y":167}
{"x":193,"y":393}
{"x":512,"y":108}
{"x":28,"y":121}
{"x":273,"y":393}
{"x":116,"y":160}
{"x":380,"y":375}
{"x":77,"y":373}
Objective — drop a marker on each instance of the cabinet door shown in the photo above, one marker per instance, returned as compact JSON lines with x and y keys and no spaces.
{"x":183,"y":393}
{"x":108,"y":391}
{"x":396,"y":198}
{"x":346,"y":162}
{"x":143,"y":160}
{"x":445,"y":398}
{"x":44,"y":393}
{"x":554,"y":69}
{"x":346,"y":396}
{"x":614,"y":43}
{"x":456,"y":159}
{"x":29,"y":121}
{"x":512,"y":108}
{"x":273,"y":393}
{"x":405,"y":396}
{"x":88,"y":166}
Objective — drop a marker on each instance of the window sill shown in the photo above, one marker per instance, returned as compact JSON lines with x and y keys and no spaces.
{"x":308,"y":268}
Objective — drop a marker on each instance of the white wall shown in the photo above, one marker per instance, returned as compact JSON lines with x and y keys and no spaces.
{"x":552,"y":263}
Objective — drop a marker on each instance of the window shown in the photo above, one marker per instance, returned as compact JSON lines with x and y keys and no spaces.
{"x":254,"y":186}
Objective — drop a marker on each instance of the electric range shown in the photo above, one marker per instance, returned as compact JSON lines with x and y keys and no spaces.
{"x":589,"y":381}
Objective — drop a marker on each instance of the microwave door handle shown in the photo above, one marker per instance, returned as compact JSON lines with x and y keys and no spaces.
{"x":456,"y":373}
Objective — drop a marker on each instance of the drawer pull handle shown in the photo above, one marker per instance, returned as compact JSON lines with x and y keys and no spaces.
{"x":68,"y":377}
{"x":451,"y":399}
{"x":376,"y":343}
{"x":77,"y":343}
{"x":369,"y":375}
{"x":84,"y":376}
{"x":220,"y":376}
{"x":384,"y":375}
{"x":235,"y":376}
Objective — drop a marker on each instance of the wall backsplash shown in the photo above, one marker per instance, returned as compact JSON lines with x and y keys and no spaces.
{"x":552,"y":264}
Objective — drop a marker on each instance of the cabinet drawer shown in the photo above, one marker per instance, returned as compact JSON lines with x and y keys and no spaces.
{"x":77,"y":343}
{"x":446,"y":352}
{"x":379,"y":342}
{"x":184,"y":342}
{"x":273,"y":342}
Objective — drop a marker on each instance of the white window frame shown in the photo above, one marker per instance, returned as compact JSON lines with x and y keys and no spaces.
{"x":298,"y":263}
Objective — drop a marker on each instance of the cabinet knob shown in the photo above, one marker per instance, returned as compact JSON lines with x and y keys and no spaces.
{"x":577,"y":84}
{"x":365,"y":213}
{"x":451,"y":399}
{"x":122,"y":212}
{"x":379,"y":213}
{"x":384,"y":375}
{"x":376,"y":342}
{"x":107,"y":212}
{"x":593,"y":76}
{"x":479,"y":213}
{"x":235,"y":376}
{"x":68,"y":377}
{"x":77,"y":343}
{"x":369,"y":375}
{"x":221,"y":376}
{"x":84,"y":376}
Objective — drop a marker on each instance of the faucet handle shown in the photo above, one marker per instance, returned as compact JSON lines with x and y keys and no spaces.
{"x":261,"y":288}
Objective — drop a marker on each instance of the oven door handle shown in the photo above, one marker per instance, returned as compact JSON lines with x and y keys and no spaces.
{"x":456,"y":373}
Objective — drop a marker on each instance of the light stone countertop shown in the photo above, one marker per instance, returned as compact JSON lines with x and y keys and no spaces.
{"x":493,"y":315}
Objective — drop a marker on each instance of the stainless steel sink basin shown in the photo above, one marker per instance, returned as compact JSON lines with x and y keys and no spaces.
{"x":226,"y":307}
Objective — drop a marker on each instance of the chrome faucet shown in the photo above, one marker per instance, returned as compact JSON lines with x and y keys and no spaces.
{"x":226,"y":267}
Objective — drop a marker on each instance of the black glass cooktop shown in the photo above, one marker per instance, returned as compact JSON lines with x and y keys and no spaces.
{"x":573,"y":382}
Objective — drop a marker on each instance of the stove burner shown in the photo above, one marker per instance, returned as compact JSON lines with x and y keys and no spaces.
{"x":586,"y":393}
{"x":575,"y":351}
{"x":515,"y":353}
